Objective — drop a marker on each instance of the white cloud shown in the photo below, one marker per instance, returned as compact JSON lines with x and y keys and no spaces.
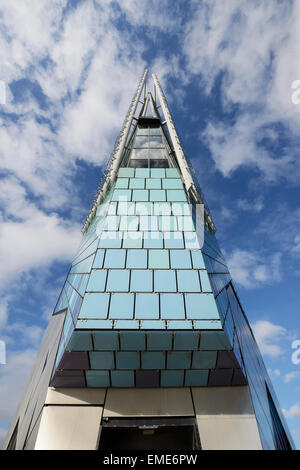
{"x":293,"y":412}
{"x":291,"y":376}
{"x":252,"y":269}
{"x":268,"y":336}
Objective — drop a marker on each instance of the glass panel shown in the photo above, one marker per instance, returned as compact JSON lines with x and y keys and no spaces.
{"x":143,"y":208}
{"x":198,"y":262}
{"x":188,"y":281}
{"x":94,"y":306}
{"x":186,"y":340}
{"x":135,"y":163}
{"x":133,"y":340}
{"x":200,"y":306}
{"x":164,"y":281}
{"x":173,"y":240}
{"x":196,"y":378}
{"x":129,"y":222}
{"x":121,"y":194}
{"x":172,"y":378}
{"x":161,"y":208}
{"x":204,"y":359}
{"x":180,"y":259}
{"x":137,"y":259}
{"x":214,"y":340}
{"x":98,"y":261}
{"x":158,"y":259}
{"x":141,"y":280}
{"x":155,"y":141}
{"x":172,"y":184}
{"x":122,"y":183}
{"x":102,"y":360}
{"x":126,"y":208}
{"x":148,"y":223}
{"x":97,"y":280}
{"x":158,"y":340}
{"x":106,"y":340}
{"x":176,"y":195}
{"x":118,"y":280}
{"x":141,"y":141}
{"x":205,"y":283}
{"x":167,"y":223}
{"x":97,"y":378}
{"x":127,"y":360}
{"x":172,"y":173}
{"x":157,"y":154}
{"x":172,"y":306}
{"x":121,"y":306}
{"x":158,"y":173}
{"x":153,"y":183}
{"x":122,"y":378}
{"x":133,"y":239}
{"x":80,"y":341}
{"x":115,"y":259}
{"x":142,"y":173}
{"x":153,"y":240}
{"x":153,"y":360}
{"x":159,"y":163}
{"x":140,"y":195}
{"x":147,"y":306}
{"x":126,"y":172}
{"x":137,"y":183}
{"x":157,"y":195}
{"x":178,"y":360}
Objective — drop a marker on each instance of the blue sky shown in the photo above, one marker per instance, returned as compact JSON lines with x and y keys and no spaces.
{"x":70,"y":69}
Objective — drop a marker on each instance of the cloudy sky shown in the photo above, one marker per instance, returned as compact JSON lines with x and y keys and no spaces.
{"x":230,"y":71}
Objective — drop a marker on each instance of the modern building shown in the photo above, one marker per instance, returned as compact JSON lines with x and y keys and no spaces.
{"x":148,"y":346}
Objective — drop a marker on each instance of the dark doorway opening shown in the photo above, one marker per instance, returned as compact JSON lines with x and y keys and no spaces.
{"x":149,"y":434}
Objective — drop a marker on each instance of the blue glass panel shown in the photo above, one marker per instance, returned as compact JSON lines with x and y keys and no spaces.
{"x":80,"y":341}
{"x":84,"y":266}
{"x":158,"y":173}
{"x":214,"y":340}
{"x":118,"y":280}
{"x":181,"y":208}
{"x":188,"y":281}
{"x":153,"y":183}
{"x":106,"y":340}
{"x":173,"y":240}
{"x":157,"y":195}
{"x":142,"y":173}
{"x":115,"y":259}
{"x":102,"y":360}
{"x":153,"y":324}
{"x":140,"y":195}
{"x":153,"y":240}
{"x":122,"y":183}
{"x":196,"y":378}
{"x":144,"y":208}
{"x":201,"y":306}
{"x":179,"y":325}
{"x":172,"y":378}
{"x":153,"y":360}
{"x":172,"y":183}
{"x":191,"y":241}
{"x":137,"y":183}
{"x":132,"y":340}
{"x":205,"y":284}
{"x":207,"y":324}
{"x":204,"y":359}
{"x":98,"y":261}
{"x":167,"y":223}
{"x":172,"y":173}
{"x":91,"y":248}
{"x":94,"y":324}
{"x":126,"y":172}
{"x":126,"y":208}
{"x":148,"y":223}
{"x":147,"y":306}
{"x":121,"y":306}
{"x":133,"y":240}
{"x":141,"y":280}
{"x":110,"y":240}
{"x":198,"y":262}
{"x":94,"y":306}
{"x":97,"y":378}
{"x":122,"y":195}
{"x":176,"y":195}
{"x":97,"y":280}
{"x":122,"y":378}
{"x":172,"y":306}
{"x":159,"y":340}
{"x":180,"y":259}
{"x":178,"y":360}
{"x":164,"y":281}
{"x":186,"y":340}
{"x":158,"y":259}
{"x":129,"y":222}
{"x":137,"y":259}
{"x":126,"y":324}
{"x":127,"y":360}
{"x":162,"y":208}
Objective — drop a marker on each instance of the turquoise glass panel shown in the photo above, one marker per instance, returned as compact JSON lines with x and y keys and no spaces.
{"x":97,"y":378}
{"x":133,"y":341}
{"x":153,"y":324}
{"x":111,"y":223}
{"x":98,"y":261}
{"x":137,"y":259}
{"x":121,"y":195}
{"x":191,"y":241}
{"x":129,"y":222}
{"x":140,"y":195}
{"x":148,"y":223}
{"x":121,"y":306}
{"x":181,"y":208}
{"x":153,"y":240}
{"x":176,"y":195}
{"x":158,"y":173}
{"x":162,"y":208}
{"x":164,"y":281}
{"x":172,"y":173}
{"x":157,"y":195}
{"x":214,"y":340}
{"x":94,"y":324}
{"x":180,"y":259}
{"x":132,"y":240}
{"x":122,"y":183}
{"x":110,"y":240}
{"x":196,"y":378}
{"x":179,"y":360}
{"x":167,"y":223}
{"x":137,"y":183}
{"x":198,"y":262}
{"x":122,"y":378}
{"x":118,"y":280}
{"x":172,"y":183}
{"x":115,"y":259}
{"x":158,"y":259}
{"x":207,"y":324}
{"x":80,"y":341}
{"x":188,"y":281}
{"x":126,"y":208}
{"x":84,"y":266}
{"x":153,"y":183}
{"x":126,"y":172}
{"x":126,"y":324}
{"x":204,"y":359}
{"x":179,"y":325}
{"x":185,"y":223}
{"x":144,"y":208}
{"x":153,"y":360}
{"x":172,"y":306}
{"x":97,"y":280}
{"x":94,"y":306}
{"x":173,"y":240}
{"x":205,"y":283}
{"x":172,"y":378}
{"x":201,"y":306}
{"x":186,"y":340}
{"x":147,"y":306}
{"x":127,"y":360}
{"x":142,"y":173}
{"x":141,"y":280}
{"x":102,"y":360}
{"x":106,"y":340}
{"x":159,"y":340}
